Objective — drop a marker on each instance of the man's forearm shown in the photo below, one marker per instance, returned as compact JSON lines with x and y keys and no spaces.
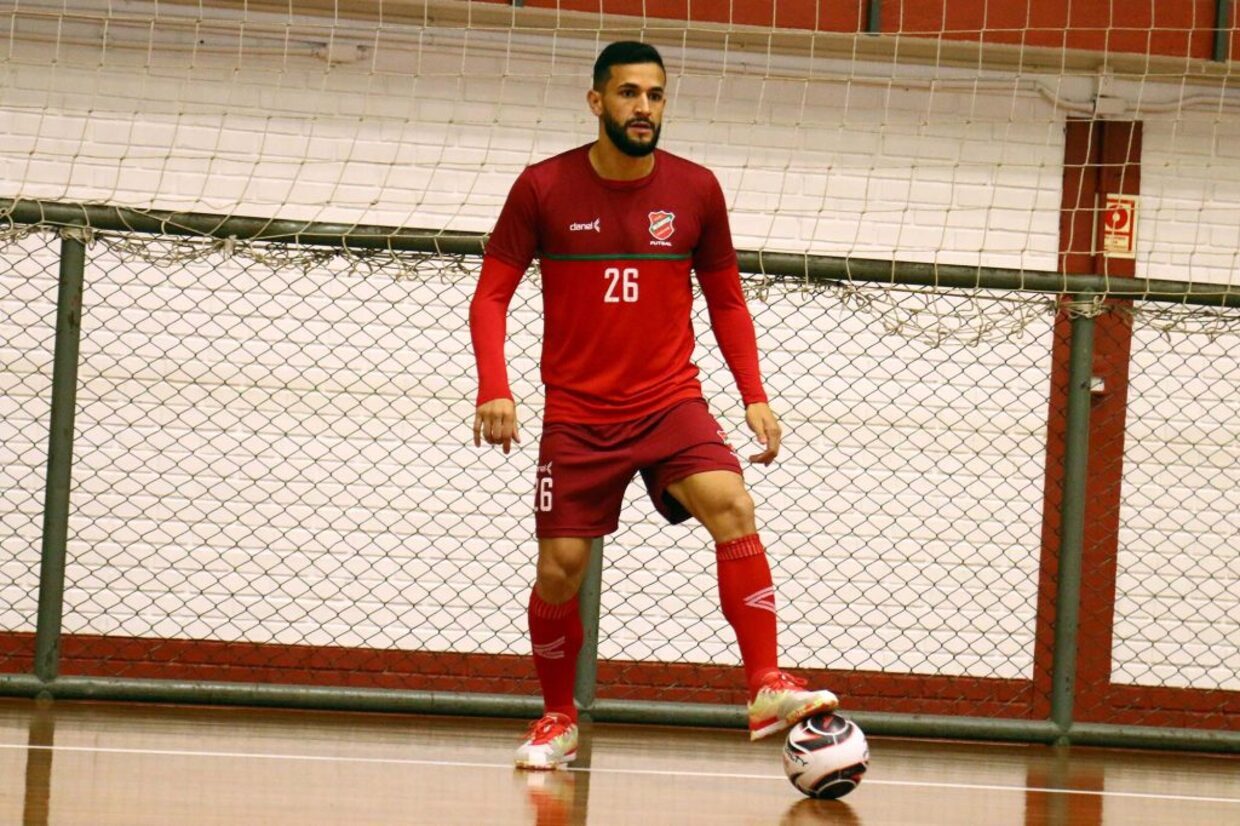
{"x":488,"y":314}
{"x":734,"y":330}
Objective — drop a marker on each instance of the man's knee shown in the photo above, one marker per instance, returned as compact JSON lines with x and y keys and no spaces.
{"x":730,"y":515}
{"x":559,"y":576}
{"x":561,"y":567}
{"x":736,"y":506}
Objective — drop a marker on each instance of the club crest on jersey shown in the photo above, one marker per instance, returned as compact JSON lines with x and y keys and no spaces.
{"x":661,"y":225}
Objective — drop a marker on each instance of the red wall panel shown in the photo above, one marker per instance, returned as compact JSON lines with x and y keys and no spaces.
{"x":1175,"y":28}
{"x":1179,"y":28}
{"x":845,"y":16}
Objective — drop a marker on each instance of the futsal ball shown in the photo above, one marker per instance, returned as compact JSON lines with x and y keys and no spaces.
{"x":825,"y":756}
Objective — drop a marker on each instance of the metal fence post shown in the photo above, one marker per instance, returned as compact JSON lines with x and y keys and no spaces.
{"x":59,"y":455}
{"x":589,"y":597}
{"x":1072,"y":523}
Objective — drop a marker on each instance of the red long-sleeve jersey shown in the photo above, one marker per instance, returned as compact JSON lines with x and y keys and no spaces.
{"x":617,"y":298}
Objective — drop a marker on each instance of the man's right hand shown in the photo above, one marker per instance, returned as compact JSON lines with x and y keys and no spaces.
{"x":496,"y":421}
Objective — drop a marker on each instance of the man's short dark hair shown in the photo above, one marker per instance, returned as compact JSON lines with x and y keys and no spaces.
{"x":623,"y":53}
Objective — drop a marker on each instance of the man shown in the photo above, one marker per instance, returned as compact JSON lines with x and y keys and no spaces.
{"x":617,"y":226}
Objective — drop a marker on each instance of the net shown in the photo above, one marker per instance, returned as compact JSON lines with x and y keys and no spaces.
{"x":272,"y":481}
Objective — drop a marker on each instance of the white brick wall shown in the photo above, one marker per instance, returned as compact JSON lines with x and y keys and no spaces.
{"x":282,"y":456}
{"x":27,"y":322}
{"x":902,"y":519}
{"x":1177,"y":611}
{"x":290,"y":464}
{"x":809,"y":165}
{"x":1189,"y":219}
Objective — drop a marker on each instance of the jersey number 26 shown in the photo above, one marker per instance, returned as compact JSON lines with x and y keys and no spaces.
{"x":621,"y":285}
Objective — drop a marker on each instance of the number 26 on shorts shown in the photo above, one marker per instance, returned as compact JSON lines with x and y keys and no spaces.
{"x":542,"y":495}
{"x":621,"y":285}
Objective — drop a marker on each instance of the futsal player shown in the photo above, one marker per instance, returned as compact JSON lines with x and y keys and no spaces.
{"x":617,"y":226}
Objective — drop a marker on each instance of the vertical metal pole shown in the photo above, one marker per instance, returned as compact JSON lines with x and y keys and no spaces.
{"x":873,"y":17}
{"x":1222,"y":30}
{"x":1072,"y":523}
{"x":59,"y":457}
{"x":588,"y":599}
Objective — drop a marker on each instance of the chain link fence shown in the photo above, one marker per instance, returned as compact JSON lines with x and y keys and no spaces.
{"x":902,"y":519}
{"x":273,"y":482}
{"x":27,"y":337}
{"x":271,"y":460}
{"x":1177,"y":595}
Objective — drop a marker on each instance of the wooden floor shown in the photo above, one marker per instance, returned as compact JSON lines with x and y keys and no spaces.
{"x":99,"y":764}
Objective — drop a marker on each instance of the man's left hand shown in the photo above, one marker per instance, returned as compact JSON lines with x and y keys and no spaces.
{"x":766,"y":430}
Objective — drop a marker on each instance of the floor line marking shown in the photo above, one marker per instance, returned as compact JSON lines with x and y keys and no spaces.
{"x":410,"y":761}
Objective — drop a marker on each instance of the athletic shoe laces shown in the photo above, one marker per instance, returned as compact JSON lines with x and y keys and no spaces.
{"x":783,"y":681}
{"x":547,"y":728}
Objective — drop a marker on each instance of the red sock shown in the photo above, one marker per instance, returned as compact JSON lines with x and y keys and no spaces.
{"x":748,"y":600}
{"x":555,"y":631}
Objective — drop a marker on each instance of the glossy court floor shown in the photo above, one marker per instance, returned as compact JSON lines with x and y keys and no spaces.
{"x":100,"y":764}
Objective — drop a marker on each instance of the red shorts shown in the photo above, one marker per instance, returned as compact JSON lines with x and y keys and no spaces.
{"x":583,"y":470}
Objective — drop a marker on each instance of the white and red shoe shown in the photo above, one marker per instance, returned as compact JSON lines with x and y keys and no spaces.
{"x":550,"y":743}
{"x":782,"y":701}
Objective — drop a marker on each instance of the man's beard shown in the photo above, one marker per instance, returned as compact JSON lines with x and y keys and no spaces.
{"x":634,"y":149}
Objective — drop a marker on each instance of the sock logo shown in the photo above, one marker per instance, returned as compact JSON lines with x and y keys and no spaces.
{"x":763,"y":600}
{"x":554,"y":650}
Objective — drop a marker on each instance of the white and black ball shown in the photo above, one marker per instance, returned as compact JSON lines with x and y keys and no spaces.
{"x":826,"y":755}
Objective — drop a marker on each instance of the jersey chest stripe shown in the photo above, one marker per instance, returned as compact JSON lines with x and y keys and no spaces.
{"x":618,"y":256}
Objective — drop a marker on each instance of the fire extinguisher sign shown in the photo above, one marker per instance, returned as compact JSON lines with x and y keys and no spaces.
{"x":1119,"y":226}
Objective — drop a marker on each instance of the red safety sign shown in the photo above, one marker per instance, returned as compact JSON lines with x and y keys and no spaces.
{"x":1119,"y":226}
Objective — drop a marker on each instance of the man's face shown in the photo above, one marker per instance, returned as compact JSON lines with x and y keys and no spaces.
{"x":630,"y":107}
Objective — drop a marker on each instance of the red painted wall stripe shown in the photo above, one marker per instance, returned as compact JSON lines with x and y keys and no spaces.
{"x":1179,"y":28}
{"x":1176,"y":29}
{"x":1082,"y":154}
{"x":1100,"y":158}
{"x":1119,"y":172}
{"x":145,"y":658}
